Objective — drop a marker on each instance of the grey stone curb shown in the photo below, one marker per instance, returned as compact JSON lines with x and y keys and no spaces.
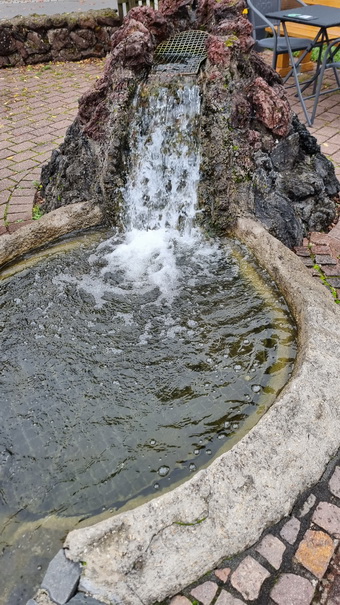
{"x":48,"y":228}
{"x":157,"y":549}
{"x":61,"y":578}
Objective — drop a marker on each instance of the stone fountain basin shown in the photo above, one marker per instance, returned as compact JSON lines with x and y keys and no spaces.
{"x":153,"y":551}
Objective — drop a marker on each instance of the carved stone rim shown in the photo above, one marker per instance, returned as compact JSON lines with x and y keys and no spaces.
{"x":151,"y":552}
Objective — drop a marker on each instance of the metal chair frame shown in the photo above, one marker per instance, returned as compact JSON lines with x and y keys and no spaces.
{"x":277,"y":43}
{"x":327,"y":63}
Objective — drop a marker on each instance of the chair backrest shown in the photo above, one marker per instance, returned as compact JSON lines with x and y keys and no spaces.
{"x":264,"y":6}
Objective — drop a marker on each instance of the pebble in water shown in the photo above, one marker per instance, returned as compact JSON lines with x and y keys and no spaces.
{"x":163,"y":471}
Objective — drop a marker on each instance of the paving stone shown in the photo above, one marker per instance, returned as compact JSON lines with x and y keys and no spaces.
{"x":324,"y":259}
{"x":223,"y":574}
{"x":290,"y":530}
{"x":327,"y":516}
{"x":249,"y":577}
{"x":179,"y":600}
{"x":205,"y":592}
{"x":272,"y":549}
{"x":334,"y":593}
{"x":315,"y":552}
{"x":307,"y":505}
{"x":61,"y":578}
{"x":334,"y":244}
{"x":318,"y":238}
{"x":292,"y":590}
{"x":82,"y":599}
{"x":334,"y":281}
{"x":308,"y":262}
{"x":302,"y":251}
{"x":225,"y":598}
{"x":330,"y":270}
{"x":334,"y":482}
{"x":321,"y":249}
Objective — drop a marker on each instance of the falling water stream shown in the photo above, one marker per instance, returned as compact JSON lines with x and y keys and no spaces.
{"x":130,"y":363}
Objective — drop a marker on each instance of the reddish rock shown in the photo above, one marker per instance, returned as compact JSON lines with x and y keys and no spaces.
{"x":218,"y":52}
{"x":271,"y":106}
{"x":237,"y":32}
{"x":155,"y":22}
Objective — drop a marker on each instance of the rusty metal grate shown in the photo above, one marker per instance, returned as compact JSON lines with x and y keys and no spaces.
{"x":182,"y":54}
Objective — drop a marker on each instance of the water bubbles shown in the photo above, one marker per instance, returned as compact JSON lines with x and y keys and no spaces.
{"x":256,"y":388}
{"x":163,"y":471}
{"x":237,"y":368}
{"x":192,"y":467}
{"x":196,"y":452}
{"x":208,"y":452}
{"x":156,"y":485}
{"x":152,"y":441}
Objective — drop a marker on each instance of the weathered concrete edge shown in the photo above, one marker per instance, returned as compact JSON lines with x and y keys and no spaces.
{"x":48,"y":228}
{"x":153,"y":551}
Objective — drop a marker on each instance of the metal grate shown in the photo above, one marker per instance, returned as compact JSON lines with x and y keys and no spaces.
{"x":182,"y":54}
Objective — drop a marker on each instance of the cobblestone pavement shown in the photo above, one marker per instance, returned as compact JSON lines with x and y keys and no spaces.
{"x":297,"y":561}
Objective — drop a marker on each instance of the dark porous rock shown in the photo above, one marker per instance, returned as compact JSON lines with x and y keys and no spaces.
{"x":59,"y":38}
{"x":285,"y":154}
{"x":257,"y":159}
{"x":61,"y":579}
{"x":83,"y":38}
{"x":277,"y":214}
{"x":35,"y":44}
{"x":7,"y":44}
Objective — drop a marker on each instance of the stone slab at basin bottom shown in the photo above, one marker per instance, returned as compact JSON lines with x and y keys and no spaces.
{"x":143,"y":555}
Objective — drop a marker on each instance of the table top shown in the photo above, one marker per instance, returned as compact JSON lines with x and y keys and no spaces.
{"x":322,"y":16}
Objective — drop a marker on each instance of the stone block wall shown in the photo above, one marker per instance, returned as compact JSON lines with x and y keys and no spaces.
{"x":65,"y":37}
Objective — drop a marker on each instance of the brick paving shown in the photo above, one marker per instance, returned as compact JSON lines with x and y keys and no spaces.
{"x":37,"y":104}
{"x":297,"y":561}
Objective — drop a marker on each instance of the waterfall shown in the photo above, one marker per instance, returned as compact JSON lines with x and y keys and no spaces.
{"x":161,"y":193}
